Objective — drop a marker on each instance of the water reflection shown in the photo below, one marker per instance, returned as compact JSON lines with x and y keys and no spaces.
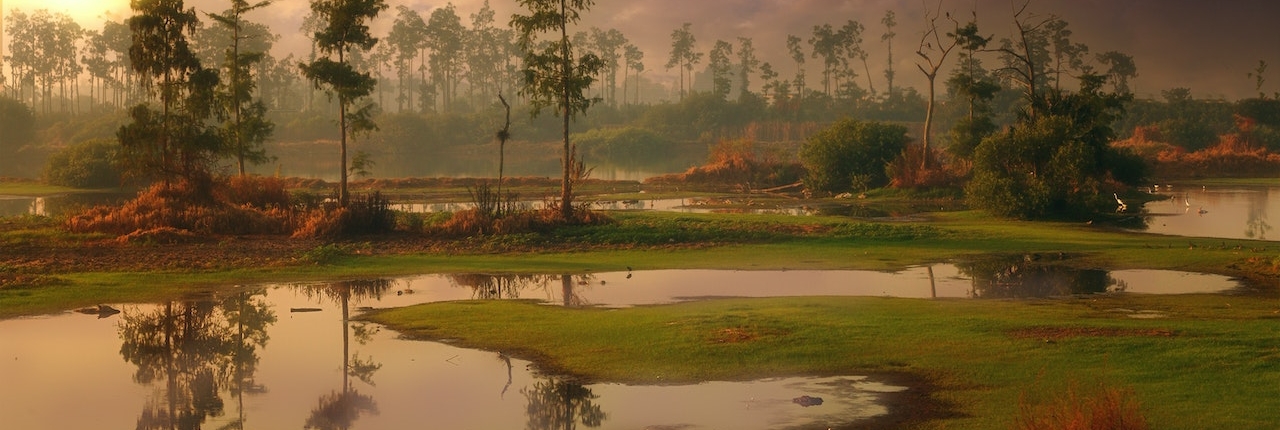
{"x":1218,"y":212}
{"x":245,"y":360}
{"x":1015,"y":276}
{"x":1029,"y":276}
{"x":190,"y":352}
{"x":339,"y":409}
{"x":512,"y":286}
{"x":56,"y":205}
{"x":556,"y":404}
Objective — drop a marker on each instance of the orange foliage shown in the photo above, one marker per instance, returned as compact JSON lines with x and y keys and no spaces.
{"x":908,"y":171}
{"x":475,"y":222}
{"x":256,"y":191}
{"x":179,"y":207}
{"x":1107,"y":408}
{"x":734,"y":163}
{"x":1232,"y":156}
{"x":321,"y":224}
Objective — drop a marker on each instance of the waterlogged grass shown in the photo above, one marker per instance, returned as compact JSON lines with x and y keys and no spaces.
{"x":662,"y":228}
{"x":647,"y":241}
{"x":1210,"y":362}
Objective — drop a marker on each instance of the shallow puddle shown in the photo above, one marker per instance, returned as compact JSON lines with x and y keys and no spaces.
{"x":250,"y":361}
{"x":1001,"y":278}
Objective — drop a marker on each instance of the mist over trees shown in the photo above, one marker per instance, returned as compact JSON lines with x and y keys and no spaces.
{"x":432,"y":79}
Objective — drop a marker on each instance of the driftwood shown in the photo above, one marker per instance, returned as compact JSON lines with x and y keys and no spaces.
{"x":775,"y":190}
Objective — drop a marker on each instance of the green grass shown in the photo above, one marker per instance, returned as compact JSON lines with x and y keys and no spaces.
{"x":647,"y":241}
{"x":1213,"y":363}
{"x":1220,"y":369}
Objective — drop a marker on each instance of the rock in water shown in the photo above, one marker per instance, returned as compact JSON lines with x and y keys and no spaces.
{"x":807,"y":401}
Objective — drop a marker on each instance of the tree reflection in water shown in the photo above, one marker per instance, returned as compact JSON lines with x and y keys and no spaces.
{"x":196,"y":349}
{"x":341,"y":408}
{"x":494,"y":287}
{"x":560,"y":405}
{"x":507,"y":286}
{"x":1256,"y":227}
{"x":1032,"y":276}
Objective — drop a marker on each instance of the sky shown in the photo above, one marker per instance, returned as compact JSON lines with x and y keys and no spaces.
{"x":1209,"y":47}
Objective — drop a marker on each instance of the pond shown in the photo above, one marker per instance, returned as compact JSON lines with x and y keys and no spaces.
{"x":275,"y":357}
{"x":1215,"y":211}
{"x":285,"y":356}
{"x":57,"y":204}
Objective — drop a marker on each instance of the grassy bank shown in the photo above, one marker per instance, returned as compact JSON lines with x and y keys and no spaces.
{"x":643,"y":240}
{"x":1210,"y":362}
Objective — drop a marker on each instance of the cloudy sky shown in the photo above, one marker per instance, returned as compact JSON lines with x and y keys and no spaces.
{"x":1209,"y":47}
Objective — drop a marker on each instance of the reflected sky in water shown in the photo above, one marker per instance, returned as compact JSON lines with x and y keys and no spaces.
{"x":288,"y":356}
{"x":80,"y":371}
{"x":1216,"y":212}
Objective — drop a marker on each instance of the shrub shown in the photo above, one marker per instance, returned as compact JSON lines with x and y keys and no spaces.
{"x":181,"y":207}
{"x":369,"y":214}
{"x":848,"y":149}
{"x":365,"y":214}
{"x":1105,"y":408}
{"x":91,"y":164}
{"x":321,"y":224}
{"x":255,"y":191}
{"x":18,"y":123}
{"x":473,"y":222}
{"x":733,"y":162}
{"x":909,"y":171}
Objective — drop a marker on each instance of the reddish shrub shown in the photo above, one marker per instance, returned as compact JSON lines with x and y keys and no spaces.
{"x":163,"y":235}
{"x":908,"y":170}
{"x":179,"y":207}
{"x":321,"y":224}
{"x":1104,"y":408}
{"x":262,"y":192}
{"x":735,"y":163}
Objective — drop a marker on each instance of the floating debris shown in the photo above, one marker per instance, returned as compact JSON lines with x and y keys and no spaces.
{"x":807,"y":401}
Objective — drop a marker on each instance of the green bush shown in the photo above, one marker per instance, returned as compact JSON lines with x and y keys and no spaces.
{"x":91,"y":164}
{"x":18,"y":124}
{"x":849,"y":152}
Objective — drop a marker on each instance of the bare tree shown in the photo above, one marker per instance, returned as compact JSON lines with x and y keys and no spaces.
{"x":933,"y":45}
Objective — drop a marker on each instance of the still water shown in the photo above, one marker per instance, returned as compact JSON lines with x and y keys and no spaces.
{"x":1218,"y":212}
{"x":275,"y":358}
{"x":58,"y":204}
{"x":289,"y":356}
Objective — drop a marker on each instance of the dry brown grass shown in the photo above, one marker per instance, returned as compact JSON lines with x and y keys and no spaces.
{"x":736,"y":163}
{"x":181,"y":207}
{"x":1233,"y":156}
{"x":321,"y":224}
{"x":1099,"y":408}
{"x":256,"y":191}
{"x":473,"y":222}
{"x":909,"y":171}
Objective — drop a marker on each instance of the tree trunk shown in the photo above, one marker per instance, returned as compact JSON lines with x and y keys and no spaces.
{"x":343,"y":198}
{"x":566,"y":67}
{"x":928,"y":123}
